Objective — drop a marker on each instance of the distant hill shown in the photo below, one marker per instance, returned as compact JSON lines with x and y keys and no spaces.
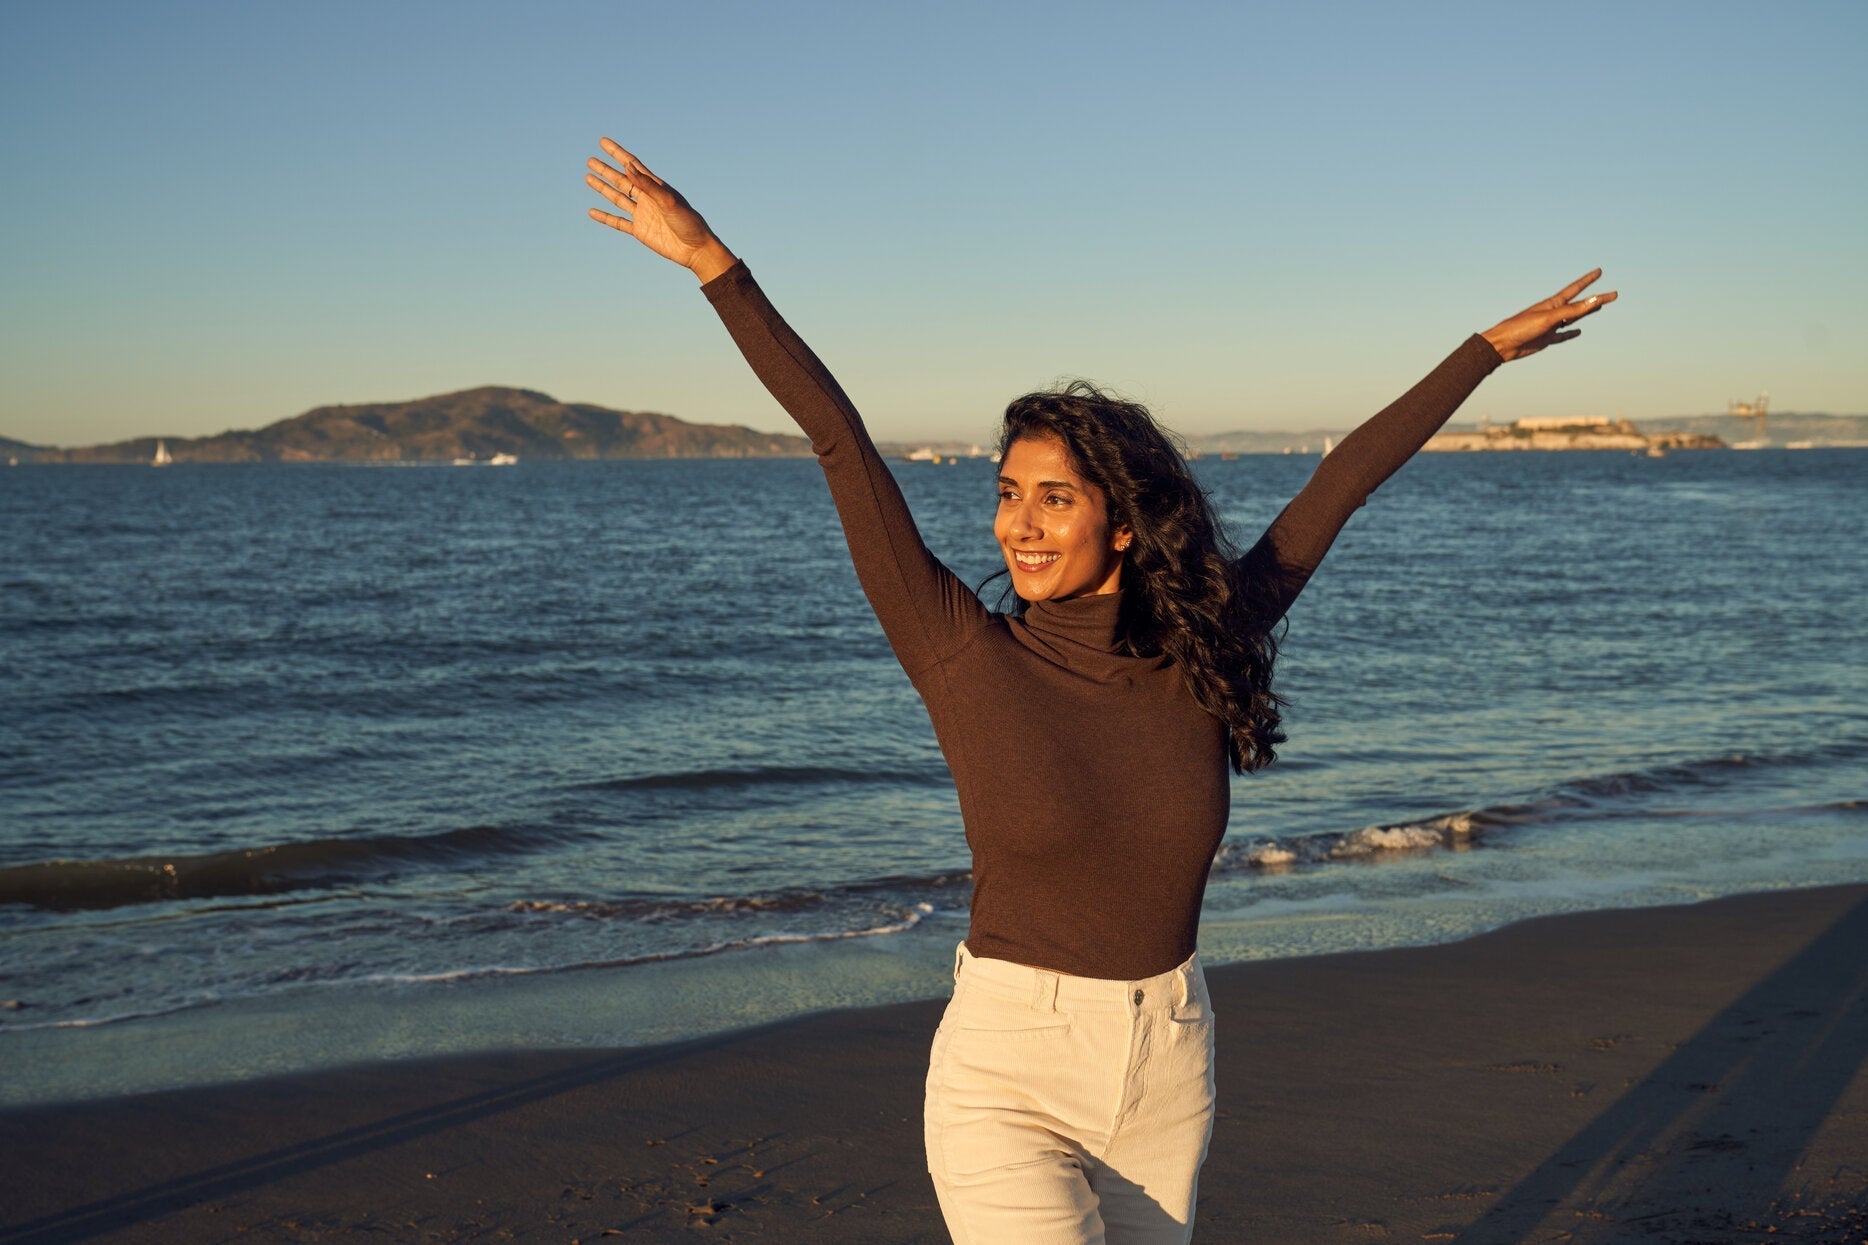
{"x":475,"y":423}
{"x":19,"y":451}
{"x":1250,"y":441}
{"x":1780,"y":429}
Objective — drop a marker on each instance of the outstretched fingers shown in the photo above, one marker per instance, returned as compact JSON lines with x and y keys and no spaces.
{"x":1588,"y":306}
{"x":1545,"y":340}
{"x":613,"y":220}
{"x":615,"y":195}
{"x":1569,"y":292}
{"x":604,"y":179}
{"x":627,"y":160}
{"x":1548,"y":322}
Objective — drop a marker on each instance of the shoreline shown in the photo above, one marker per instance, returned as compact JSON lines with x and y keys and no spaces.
{"x":686,"y":998}
{"x":1682,"y":1073}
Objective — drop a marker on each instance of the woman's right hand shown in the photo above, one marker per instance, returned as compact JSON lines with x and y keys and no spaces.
{"x":1546,"y":323}
{"x":655,"y":214}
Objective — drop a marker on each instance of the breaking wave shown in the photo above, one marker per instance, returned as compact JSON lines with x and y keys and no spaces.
{"x":65,"y":885}
{"x":1601,"y":797}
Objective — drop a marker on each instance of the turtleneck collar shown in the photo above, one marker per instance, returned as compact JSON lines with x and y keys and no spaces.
{"x":1087,"y":622}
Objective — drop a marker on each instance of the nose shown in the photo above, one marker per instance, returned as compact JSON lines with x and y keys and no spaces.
{"x":1024,"y":522}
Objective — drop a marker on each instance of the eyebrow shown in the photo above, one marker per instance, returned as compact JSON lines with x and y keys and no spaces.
{"x":1041,"y":484}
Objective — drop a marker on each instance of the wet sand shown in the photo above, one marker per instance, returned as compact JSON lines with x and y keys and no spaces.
{"x":1689,"y":1074}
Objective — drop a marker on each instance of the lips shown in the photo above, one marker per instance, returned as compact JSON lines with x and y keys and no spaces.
{"x":1032,"y":563}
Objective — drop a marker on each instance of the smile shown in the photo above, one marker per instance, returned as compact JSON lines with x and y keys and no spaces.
{"x":1034,"y":561}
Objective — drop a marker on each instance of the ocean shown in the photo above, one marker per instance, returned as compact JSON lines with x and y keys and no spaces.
{"x":303,"y":765}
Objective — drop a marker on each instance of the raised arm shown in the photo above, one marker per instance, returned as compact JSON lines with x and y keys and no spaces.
{"x":926,"y":611}
{"x":1289,"y":552}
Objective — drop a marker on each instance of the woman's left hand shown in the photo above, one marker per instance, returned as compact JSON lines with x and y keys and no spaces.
{"x":1542,"y":324}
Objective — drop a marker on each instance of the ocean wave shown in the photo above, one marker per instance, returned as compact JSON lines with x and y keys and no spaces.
{"x":1455,"y":831}
{"x":907,"y":920}
{"x":1627,"y":793}
{"x":98,"y":1022}
{"x":1601,"y":797}
{"x":765,"y":775}
{"x":901,"y":892}
{"x":895,"y":923}
{"x":66,"y":885}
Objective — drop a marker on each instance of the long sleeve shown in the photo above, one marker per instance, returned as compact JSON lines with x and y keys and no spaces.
{"x":926,"y":611}
{"x":1293,"y":546}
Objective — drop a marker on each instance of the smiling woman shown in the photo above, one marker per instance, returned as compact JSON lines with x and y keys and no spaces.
{"x":1089,"y":732}
{"x":1054,"y":526}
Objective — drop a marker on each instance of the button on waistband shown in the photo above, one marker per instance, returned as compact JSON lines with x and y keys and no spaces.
{"x":1138,"y":998}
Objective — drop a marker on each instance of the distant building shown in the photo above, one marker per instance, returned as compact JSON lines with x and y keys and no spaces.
{"x":1570,"y":432}
{"x":1549,"y":423}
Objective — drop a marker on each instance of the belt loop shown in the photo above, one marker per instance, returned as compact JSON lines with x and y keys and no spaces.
{"x":1185,"y":976}
{"x":959,"y":954}
{"x":1044,"y":991}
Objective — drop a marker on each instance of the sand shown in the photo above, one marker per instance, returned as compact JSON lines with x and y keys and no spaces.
{"x":1690,"y":1074}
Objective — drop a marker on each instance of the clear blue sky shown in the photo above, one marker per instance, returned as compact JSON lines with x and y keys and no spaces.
{"x":1277,"y":216}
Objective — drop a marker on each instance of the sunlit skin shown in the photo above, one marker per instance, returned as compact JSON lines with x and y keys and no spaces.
{"x":1053,"y":526}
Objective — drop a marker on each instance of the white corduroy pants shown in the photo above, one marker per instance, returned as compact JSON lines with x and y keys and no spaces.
{"x":1069,"y":1110}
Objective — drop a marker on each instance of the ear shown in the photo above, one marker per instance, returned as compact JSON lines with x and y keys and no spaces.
{"x":1122,"y":539}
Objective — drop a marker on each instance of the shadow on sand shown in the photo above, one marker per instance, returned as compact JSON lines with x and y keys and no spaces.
{"x":126,"y":1210}
{"x":1710,"y":1143}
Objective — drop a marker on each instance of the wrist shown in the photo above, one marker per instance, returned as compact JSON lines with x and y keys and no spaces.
{"x":711,"y":260}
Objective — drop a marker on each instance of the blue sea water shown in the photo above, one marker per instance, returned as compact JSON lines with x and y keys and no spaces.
{"x":303,"y":764}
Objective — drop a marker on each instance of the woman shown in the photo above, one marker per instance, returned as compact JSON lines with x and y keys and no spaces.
{"x":1090,"y":734}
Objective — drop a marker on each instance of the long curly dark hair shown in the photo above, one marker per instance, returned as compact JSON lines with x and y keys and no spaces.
{"x":1184,"y":597}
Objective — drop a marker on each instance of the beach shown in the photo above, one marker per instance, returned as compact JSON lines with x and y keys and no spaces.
{"x":1679,"y":1074}
{"x":520,"y":883}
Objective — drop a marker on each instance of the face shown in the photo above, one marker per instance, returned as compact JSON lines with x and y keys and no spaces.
{"x":1053,"y":526}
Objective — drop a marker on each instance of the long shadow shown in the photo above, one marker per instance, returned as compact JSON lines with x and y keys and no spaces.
{"x":166,"y":1197}
{"x":1707,"y":1140}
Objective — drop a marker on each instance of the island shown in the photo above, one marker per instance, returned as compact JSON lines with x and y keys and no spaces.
{"x":475,"y":425}
{"x":1571,"y":432}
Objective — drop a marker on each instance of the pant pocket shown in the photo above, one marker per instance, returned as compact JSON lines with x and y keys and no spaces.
{"x":990,"y":1091}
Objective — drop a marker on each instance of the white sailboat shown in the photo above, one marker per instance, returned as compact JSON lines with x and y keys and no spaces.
{"x":162,"y":458}
{"x":1328,"y":445}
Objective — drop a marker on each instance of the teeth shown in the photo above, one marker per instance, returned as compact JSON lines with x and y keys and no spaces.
{"x":1035,"y":560}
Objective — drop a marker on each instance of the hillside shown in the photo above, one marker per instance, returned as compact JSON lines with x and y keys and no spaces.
{"x":475,"y":423}
{"x":1780,"y":428}
{"x":19,"y":451}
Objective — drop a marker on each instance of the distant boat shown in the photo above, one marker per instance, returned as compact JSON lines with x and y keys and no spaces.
{"x":503,"y":460}
{"x":162,"y":458}
{"x":1328,"y":445}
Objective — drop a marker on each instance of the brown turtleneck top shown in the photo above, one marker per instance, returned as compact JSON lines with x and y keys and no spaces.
{"x":1094,"y":788}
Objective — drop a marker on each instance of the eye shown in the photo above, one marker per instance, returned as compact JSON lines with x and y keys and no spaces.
{"x":1006,"y":494}
{"x":1057,"y":499}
